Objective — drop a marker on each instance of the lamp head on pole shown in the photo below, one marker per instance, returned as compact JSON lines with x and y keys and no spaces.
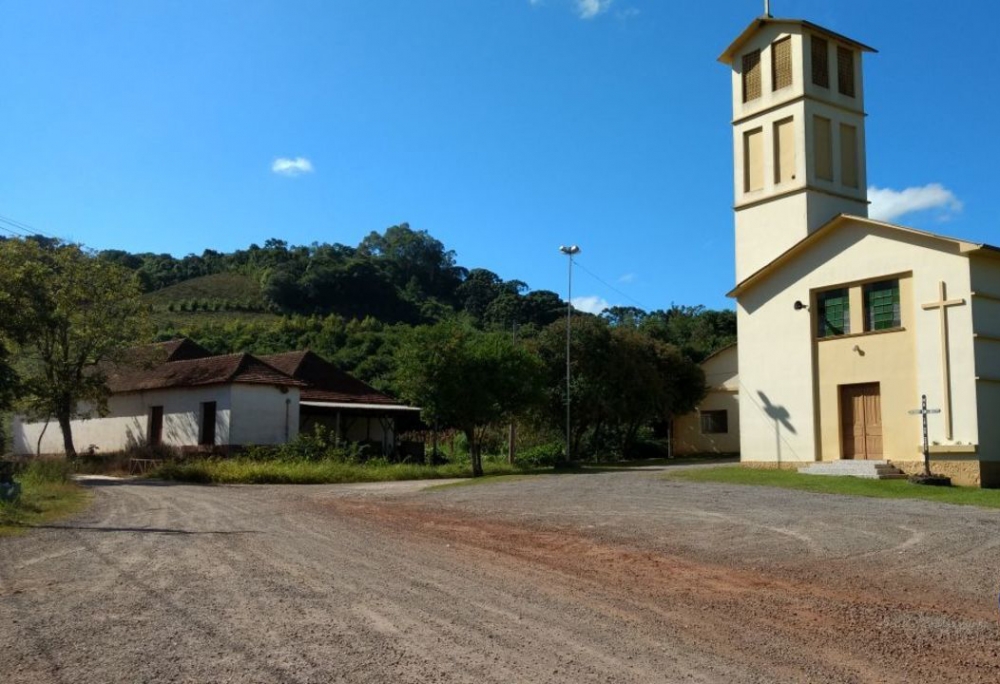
{"x":569,"y":251}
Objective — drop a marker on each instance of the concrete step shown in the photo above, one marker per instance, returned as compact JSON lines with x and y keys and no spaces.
{"x":872,"y":470}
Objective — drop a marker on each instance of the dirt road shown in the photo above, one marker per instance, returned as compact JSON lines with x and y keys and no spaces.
{"x":613,"y":577}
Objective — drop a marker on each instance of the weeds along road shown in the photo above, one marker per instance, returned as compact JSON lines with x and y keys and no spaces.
{"x":611,"y":577}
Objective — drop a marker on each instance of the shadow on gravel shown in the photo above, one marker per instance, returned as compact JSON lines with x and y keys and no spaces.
{"x":149,"y":530}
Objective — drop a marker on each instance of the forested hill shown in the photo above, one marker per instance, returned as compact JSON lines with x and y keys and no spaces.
{"x":400,"y":276}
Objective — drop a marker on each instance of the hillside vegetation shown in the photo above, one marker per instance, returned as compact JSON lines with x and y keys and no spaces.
{"x":280,"y":296}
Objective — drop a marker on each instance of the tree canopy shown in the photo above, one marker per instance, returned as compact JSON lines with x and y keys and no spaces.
{"x":466,"y":379}
{"x":78,"y":312}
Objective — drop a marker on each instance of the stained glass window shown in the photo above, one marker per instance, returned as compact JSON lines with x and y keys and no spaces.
{"x":834,"y":308}
{"x":882,"y":305}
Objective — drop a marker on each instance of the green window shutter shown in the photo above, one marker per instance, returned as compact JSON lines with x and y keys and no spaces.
{"x":882,"y":310}
{"x":834,"y":313}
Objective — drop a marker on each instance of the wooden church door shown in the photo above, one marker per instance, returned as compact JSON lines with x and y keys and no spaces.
{"x":861,"y":421}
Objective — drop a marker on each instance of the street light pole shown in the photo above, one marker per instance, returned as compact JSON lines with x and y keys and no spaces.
{"x":569,"y":252}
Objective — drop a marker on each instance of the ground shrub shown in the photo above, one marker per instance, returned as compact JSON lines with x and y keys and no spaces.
{"x":318,"y":445}
{"x":46,"y":494}
{"x":38,"y":471}
{"x":540,"y":456}
{"x":248,"y":471}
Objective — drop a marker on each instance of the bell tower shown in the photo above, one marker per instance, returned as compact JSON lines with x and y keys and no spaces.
{"x":798,"y":135}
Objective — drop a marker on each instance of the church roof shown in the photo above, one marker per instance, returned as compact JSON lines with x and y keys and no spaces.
{"x":760,"y":22}
{"x":964,"y":247}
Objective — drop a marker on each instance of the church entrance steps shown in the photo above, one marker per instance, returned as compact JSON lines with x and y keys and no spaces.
{"x":872,"y":470}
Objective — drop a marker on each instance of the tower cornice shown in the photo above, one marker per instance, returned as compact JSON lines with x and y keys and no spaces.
{"x":760,"y":22}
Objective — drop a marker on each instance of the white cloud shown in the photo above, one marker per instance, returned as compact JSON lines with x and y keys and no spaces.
{"x":888,"y":204}
{"x":592,"y":304}
{"x":627,"y":278}
{"x":588,"y":9}
{"x":291,"y":167}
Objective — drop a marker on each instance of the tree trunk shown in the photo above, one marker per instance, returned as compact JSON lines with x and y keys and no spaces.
{"x":41,"y":436}
{"x":67,"y":431}
{"x":474,"y":453}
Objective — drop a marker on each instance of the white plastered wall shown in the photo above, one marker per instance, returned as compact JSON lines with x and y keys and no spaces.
{"x":263,"y":414}
{"x":778,"y":406}
{"x":127,"y":422}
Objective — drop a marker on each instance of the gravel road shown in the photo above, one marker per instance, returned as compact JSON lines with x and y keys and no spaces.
{"x":610,"y":577}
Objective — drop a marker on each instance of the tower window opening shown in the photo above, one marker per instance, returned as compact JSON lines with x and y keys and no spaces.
{"x":849,"y":155}
{"x":781,"y":63}
{"x":822,"y":148}
{"x":845,"y":71}
{"x":751,"y":76}
{"x":784,"y":151}
{"x":753,"y":160}
{"x":820,"y":61}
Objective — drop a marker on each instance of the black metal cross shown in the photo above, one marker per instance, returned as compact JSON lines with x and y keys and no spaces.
{"x":923,"y":412}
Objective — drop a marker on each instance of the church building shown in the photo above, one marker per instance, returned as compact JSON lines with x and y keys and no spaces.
{"x":845,"y":322}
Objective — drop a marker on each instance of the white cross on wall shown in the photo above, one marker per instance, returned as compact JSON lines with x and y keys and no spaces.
{"x":942,"y":305}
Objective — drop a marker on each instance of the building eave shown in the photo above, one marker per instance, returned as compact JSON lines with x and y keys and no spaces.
{"x":964,"y":247}
{"x":358,"y":406}
{"x":760,"y":22}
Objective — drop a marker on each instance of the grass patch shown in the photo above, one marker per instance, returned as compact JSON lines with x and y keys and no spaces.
{"x":47,"y":494}
{"x":849,"y":486}
{"x":245,"y":471}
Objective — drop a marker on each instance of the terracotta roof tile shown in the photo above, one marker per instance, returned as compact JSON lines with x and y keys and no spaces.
{"x":325,"y":381}
{"x":212,"y":370}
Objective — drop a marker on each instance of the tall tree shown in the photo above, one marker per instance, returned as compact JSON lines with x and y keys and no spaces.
{"x":466,"y":379}
{"x":84,"y":311}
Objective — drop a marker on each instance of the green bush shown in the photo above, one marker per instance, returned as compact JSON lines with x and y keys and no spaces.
{"x":244,"y":471}
{"x":44,"y":471}
{"x":540,"y":456}
{"x":311,"y":447}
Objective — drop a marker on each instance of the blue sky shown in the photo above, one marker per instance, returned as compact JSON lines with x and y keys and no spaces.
{"x":503,"y":127}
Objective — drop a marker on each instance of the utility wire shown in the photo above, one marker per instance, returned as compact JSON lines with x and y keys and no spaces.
{"x":611,"y":287}
{"x":21,"y":229}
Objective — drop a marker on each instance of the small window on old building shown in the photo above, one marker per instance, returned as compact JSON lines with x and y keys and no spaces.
{"x":820,"y":61}
{"x":849,"y":155}
{"x":714,"y":422}
{"x":753,"y":160}
{"x":751,"y":76}
{"x":206,"y":433}
{"x":833,"y":313}
{"x":845,"y":71}
{"x":781,"y":63}
{"x":882,"y":311}
{"x":784,"y":151}
{"x":822,"y":148}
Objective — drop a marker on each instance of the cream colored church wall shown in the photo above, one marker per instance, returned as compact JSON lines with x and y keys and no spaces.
{"x":775,"y":361}
{"x":762,"y":232}
{"x":986,"y":322}
{"x":778,"y":406}
{"x":888,"y":358}
{"x":722,"y":378}
{"x":688,"y":437}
